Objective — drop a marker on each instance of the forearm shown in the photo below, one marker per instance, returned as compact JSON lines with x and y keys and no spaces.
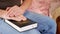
{"x":25,"y":5}
{"x":1,"y":13}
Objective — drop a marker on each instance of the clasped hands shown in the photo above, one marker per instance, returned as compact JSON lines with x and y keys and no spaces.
{"x":14,"y":13}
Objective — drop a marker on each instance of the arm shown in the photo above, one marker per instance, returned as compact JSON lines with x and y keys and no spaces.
{"x":1,"y":12}
{"x":25,"y":4}
{"x":18,"y":12}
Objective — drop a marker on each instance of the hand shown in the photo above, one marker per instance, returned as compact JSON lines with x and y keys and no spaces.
{"x":4,"y":14}
{"x":16,"y":12}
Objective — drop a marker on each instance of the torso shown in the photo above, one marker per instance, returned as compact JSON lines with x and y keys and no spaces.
{"x":40,"y":6}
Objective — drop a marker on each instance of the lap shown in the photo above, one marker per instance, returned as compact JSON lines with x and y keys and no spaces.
{"x":45,"y":23}
{"x":39,"y":18}
{"x":7,"y":29}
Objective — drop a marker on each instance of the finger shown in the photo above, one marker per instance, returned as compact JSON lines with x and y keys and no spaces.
{"x":22,"y":17}
{"x":12,"y":18}
{"x":11,"y":14}
{"x":10,"y":11}
{"x":15,"y":18}
{"x":7,"y":8}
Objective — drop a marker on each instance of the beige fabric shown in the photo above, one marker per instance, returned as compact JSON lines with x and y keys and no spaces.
{"x":56,"y":13}
{"x":53,"y":6}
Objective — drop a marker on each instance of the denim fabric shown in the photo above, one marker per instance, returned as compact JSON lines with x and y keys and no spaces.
{"x":46,"y":25}
{"x":7,"y":29}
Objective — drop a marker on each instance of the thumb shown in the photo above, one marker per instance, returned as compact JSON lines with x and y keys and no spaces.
{"x":23,"y":18}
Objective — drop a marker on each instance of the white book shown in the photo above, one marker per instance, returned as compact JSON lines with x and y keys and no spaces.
{"x":22,"y":25}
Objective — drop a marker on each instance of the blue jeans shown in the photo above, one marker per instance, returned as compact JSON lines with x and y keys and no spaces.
{"x":46,"y":25}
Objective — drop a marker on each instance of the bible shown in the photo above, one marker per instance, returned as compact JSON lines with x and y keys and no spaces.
{"x":22,"y":25}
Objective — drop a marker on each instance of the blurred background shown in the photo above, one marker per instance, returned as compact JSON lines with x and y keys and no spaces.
{"x":55,"y":12}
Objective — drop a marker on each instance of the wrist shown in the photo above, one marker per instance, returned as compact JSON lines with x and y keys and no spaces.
{"x":1,"y":13}
{"x":22,"y":10}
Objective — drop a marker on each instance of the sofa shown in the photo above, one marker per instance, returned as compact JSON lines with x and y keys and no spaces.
{"x":55,"y":13}
{"x":56,"y":17}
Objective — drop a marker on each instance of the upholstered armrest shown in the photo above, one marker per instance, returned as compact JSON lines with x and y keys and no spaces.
{"x":56,"y":17}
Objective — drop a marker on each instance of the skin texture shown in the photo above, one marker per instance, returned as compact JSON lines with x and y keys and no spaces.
{"x":4,"y":14}
{"x":18,"y":12}
{"x":15,"y":12}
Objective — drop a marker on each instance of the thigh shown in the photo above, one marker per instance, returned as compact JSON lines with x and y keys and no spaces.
{"x":39,"y":18}
{"x":45,"y":23}
{"x":7,"y":29}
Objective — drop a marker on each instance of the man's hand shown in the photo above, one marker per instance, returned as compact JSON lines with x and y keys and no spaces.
{"x":4,"y":14}
{"x":16,"y":12}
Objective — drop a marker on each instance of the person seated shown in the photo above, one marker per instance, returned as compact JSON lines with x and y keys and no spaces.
{"x":35,"y":10}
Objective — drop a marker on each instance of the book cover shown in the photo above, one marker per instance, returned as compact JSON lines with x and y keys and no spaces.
{"x":22,"y":25}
